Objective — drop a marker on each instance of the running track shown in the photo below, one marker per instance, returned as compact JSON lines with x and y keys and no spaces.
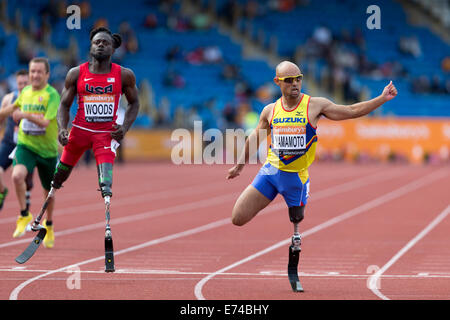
{"x":370,"y":232}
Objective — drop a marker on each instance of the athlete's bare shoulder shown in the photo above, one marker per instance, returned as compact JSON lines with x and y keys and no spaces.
{"x":268,"y":111}
{"x":266,"y":116}
{"x":316,"y":106}
{"x":72,"y":76}
{"x":128,"y":77}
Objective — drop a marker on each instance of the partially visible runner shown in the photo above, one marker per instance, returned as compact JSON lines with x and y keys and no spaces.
{"x":9,"y":140}
{"x":98,"y":84}
{"x":37,"y":142}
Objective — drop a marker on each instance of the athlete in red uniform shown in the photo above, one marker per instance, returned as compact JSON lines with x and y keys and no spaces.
{"x":98,"y":85}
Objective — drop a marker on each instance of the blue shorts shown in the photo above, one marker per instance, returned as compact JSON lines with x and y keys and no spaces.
{"x":270,"y":181}
{"x":5,"y":150}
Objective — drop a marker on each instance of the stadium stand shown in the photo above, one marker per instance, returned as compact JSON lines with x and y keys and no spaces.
{"x":188,"y":67}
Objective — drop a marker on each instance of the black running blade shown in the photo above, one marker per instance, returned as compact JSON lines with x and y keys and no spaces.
{"x":32,"y":247}
{"x":109,"y":255}
{"x":292,"y":270}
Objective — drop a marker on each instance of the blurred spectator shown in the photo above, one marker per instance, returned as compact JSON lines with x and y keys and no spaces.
{"x":196,"y":56}
{"x":151,"y":21}
{"x":447,"y":87}
{"x":173,"y":79}
{"x":286,"y":5}
{"x":358,"y":39}
{"x":322,"y":35}
{"x":212,"y":54}
{"x":209,"y":54}
{"x":25,"y":50}
{"x":163,"y":112}
{"x":147,"y":101}
{"x":129,"y":39}
{"x":410,"y":46}
{"x":251,"y":9}
{"x":243,"y":91}
{"x":436,"y":86}
{"x":421,"y":85}
{"x":230,"y":72}
{"x":179,"y":117}
{"x":200,"y":21}
{"x":192,"y":116}
{"x":445,"y":64}
{"x":266,"y":93}
{"x":365,"y":67}
{"x":229,"y":114}
{"x":54,"y":9}
{"x":85,"y":8}
{"x":101,"y":22}
{"x":230,"y":11}
{"x":177,"y":22}
{"x":174,"y":53}
{"x":242,"y":110}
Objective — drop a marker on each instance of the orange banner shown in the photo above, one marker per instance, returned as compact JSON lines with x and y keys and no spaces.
{"x":147,"y":145}
{"x":413,"y":139}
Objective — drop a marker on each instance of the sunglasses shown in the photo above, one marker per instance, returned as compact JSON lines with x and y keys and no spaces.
{"x":291,"y":79}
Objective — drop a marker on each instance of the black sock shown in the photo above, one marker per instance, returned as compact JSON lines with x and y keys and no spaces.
{"x":49,"y":223}
{"x":24,"y":213}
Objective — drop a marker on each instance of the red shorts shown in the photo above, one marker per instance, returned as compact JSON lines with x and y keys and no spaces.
{"x":103,"y":146}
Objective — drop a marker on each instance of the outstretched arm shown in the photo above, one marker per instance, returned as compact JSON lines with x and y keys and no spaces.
{"x":67,"y":96}
{"x":264,"y":124}
{"x":341,"y":112}
{"x":131,"y":93}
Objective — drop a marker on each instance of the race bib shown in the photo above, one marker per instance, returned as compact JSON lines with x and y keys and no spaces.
{"x":99,"y":108}
{"x":289,"y":140}
{"x":31,"y":128}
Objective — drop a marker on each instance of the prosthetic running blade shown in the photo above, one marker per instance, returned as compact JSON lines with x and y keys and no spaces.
{"x":33,"y":246}
{"x":109,"y":251}
{"x":294,"y":255}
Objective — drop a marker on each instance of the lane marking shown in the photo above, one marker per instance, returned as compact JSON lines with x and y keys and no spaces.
{"x":321,"y":194}
{"x":373,"y":279}
{"x":263,"y":274}
{"x":405,"y":189}
{"x":347,"y":186}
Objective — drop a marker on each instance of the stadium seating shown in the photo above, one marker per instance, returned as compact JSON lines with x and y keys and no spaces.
{"x":203,"y":82}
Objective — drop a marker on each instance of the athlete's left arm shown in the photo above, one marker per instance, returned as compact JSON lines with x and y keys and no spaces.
{"x":37,"y":119}
{"x":6,"y":107}
{"x":42,"y":120}
{"x":322,"y":106}
{"x":130,"y":91}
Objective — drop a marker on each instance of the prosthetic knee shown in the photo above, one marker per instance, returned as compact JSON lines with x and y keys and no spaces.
{"x":62,"y":173}
{"x":104,"y":171}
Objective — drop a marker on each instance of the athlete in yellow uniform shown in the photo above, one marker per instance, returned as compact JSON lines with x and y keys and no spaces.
{"x":291,"y":121}
{"x":37,"y":143}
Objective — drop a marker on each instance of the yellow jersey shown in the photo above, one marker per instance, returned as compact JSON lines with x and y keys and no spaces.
{"x":293,"y":138}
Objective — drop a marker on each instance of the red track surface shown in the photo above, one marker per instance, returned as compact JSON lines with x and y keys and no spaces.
{"x":174,"y":240}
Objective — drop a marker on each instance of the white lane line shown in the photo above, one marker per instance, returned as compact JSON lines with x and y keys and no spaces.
{"x":261,"y":274}
{"x":324,"y":193}
{"x":347,"y":186}
{"x":139,"y":216}
{"x":132,"y":199}
{"x":374,"y":279}
{"x":360,"y":209}
{"x":14,"y":294}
